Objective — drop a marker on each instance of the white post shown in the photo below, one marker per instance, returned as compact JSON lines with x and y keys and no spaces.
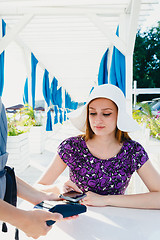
{"x":123,"y":29}
{"x":132,"y":25}
{"x":135,"y":95}
{"x":131,"y":29}
{"x":129,"y":77}
{"x":110,"y":52}
{"x":0,"y":28}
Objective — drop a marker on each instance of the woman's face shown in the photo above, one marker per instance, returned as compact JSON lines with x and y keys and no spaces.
{"x":103,"y":116}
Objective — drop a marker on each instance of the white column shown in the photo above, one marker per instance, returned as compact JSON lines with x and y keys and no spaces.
{"x":132,"y":15}
{"x":123,"y":31}
{"x":135,"y":95}
{"x":110,"y":52}
{"x":0,"y":28}
{"x":129,"y":79}
{"x":132,"y":25}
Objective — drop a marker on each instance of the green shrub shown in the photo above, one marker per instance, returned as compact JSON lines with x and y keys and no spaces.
{"x":152,"y":122}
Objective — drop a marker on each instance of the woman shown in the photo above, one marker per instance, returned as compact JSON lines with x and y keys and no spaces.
{"x":103,"y":160}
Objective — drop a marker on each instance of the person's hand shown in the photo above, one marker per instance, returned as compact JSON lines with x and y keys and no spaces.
{"x":42,"y":196}
{"x":93,"y":199}
{"x":33,"y":223}
{"x":70,"y":186}
{"x":51,"y":197}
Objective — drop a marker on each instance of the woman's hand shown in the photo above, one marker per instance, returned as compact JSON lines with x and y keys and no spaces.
{"x":70,"y":186}
{"x":94,"y":199}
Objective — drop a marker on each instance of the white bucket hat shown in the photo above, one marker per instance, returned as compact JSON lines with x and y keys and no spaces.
{"x":125,"y":122}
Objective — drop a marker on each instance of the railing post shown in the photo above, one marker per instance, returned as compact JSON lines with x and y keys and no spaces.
{"x":135,"y":95}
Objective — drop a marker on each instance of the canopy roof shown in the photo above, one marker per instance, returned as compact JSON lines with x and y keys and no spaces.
{"x":69,"y":37}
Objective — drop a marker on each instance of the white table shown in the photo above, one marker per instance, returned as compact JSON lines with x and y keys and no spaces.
{"x":106,"y":223}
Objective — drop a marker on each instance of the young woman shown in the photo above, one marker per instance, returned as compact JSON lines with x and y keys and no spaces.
{"x":102,"y":160}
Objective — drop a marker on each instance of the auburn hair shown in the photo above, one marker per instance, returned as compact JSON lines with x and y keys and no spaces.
{"x":120,"y":135}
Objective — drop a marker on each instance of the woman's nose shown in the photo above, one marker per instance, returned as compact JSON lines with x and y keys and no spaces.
{"x":98,"y":119}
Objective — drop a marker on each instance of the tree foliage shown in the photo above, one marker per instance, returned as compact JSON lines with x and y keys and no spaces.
{"x":146,"y":59}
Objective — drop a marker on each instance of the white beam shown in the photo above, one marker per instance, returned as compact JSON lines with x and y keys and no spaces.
{"x":4,"y":42}
{"x":62,"y":3}
{"x":14,"y":10}
{"x":116,"y":41}
{"x":27,"y":51}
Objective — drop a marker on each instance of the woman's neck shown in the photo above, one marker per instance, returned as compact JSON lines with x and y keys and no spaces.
{"x":105,"y":140}
{"x":103,"y":147}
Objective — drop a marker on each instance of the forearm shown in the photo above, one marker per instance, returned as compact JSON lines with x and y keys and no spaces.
{"x":33,"y":222}
{"x":10,"y":214}
{"x":29,"y":193}
{"x":56,"y":188}
{"x":149,"y":200}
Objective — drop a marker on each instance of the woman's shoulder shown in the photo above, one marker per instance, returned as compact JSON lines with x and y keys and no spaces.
{"x":72,"y":140}
{"x":132,"y":144}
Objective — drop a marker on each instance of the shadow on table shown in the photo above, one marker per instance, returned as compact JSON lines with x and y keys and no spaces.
{"x":109,"y":223}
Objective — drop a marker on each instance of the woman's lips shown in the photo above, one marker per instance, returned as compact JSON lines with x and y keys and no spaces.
{"x":99,"y":127}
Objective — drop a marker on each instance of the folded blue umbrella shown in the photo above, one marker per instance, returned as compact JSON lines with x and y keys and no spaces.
{"x":54,"y":85}
{"x":46,"y":94}
{"x":103,"y":71}
{"x":59,"y":97}
{"x":25,"y":95}
{"x":65,"y":115}
{"x":118,"y":68}
{"x":2,"y":61}
{"x":60,"y":115}
{"x":55,"y":114}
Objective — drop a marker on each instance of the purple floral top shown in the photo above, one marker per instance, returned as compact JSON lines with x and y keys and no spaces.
{"x":105,"y":177}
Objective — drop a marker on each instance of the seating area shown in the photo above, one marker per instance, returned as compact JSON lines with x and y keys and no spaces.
{"x":53,"y":55}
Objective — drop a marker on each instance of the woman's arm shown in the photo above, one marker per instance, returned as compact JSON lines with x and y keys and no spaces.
{"x":150,"y":200}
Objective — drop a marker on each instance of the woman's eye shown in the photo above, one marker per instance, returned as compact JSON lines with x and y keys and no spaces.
{"x":92,"y":114}
{"x":106,"y":114}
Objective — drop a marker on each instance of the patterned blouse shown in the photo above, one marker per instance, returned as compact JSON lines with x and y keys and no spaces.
{"x":102,"y":176}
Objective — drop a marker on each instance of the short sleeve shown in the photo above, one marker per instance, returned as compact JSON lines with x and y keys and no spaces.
{"x":66,"y":151}
{"x":139,"y":156}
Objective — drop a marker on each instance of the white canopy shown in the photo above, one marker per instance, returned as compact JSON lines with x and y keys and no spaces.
{"x":69,"y":37}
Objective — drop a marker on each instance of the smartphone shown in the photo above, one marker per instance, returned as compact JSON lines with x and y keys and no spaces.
{"x":72,"y":196}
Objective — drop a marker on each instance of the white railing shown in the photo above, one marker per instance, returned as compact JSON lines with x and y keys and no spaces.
{"x":136,"y":91}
